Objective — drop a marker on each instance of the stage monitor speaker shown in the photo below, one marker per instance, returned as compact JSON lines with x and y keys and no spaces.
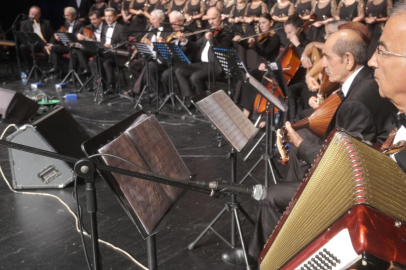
{"x":62,"y":132}
{"x":30,"y":171}
{"x":15,"y":107}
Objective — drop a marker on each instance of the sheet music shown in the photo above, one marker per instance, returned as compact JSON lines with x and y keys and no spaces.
{"x":228,"y":118}
{"x":147,"y":199}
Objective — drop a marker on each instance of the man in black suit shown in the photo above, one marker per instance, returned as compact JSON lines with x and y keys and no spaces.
{"x":28,"y":26}
{"x":56,"y":48}
{"x":196,"y":74}
{"x":362,"y":112}
{"x":111,"y":35}
{"x":389,"y":64}
{"x":82,"y":7}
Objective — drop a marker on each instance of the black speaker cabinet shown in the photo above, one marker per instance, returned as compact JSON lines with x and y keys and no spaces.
{"x":30,"y":171}
{"x":62,"y":132}
{"x":15,"y":107}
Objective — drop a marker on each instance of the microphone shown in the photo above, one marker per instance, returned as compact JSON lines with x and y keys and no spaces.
{"x":258,"y":192}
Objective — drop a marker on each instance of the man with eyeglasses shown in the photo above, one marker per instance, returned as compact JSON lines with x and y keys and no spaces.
{"x":389,"y":62}
{"x":56,"y":48}
{"x":362,"y":112}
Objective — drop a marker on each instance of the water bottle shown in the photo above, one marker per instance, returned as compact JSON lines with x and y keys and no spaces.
{"x":277,"y":118}
{"x":24,"y":78}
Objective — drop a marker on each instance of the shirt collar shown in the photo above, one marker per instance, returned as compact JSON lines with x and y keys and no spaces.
{"x":114,"y":24}
{"x":347,"y":84}
{"x":72,"y":23}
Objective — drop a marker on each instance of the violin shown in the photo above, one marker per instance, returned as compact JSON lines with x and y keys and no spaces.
{"x":174,"y":34}
{"x":216,"y":30}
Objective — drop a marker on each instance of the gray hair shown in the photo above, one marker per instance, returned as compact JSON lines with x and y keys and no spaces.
{"x":358,"y":49}
{"x":159,"y":13}
{"x":71,"y":10}
{"x":336,"y":24}
{"x":111,"y":10}
{"x":177,"y":14}
{"x":399,"y":8}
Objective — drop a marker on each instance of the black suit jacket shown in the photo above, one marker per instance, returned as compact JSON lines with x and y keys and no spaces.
{"x":76,"y":30}
{"x":46,"y":29}
{"x":118,"y":34}
{"x":84,"y":8}
{"x":222,"y":39}
{"x":362,"y":111}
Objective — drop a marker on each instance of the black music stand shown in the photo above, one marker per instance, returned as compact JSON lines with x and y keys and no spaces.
{"x":97,"y":49}
{"x":66,"y":39}
{"x":31,"y":39}
{"x":238,"y":130}
{"x":231,"y":64}
{"x":147,"y":53}
{"x":172,"y":55}
{"x":272,"y":102}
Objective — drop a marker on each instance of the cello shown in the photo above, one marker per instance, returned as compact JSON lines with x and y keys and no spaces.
{"x":290,"y":61}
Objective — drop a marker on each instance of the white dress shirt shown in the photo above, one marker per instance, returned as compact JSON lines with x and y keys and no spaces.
{"x":70,"y":29}
{"x":348,"y":82}
{"x":109,"y":33}
{"x":97,"y":32}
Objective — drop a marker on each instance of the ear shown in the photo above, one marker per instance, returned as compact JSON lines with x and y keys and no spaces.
{"x":349,"y":61}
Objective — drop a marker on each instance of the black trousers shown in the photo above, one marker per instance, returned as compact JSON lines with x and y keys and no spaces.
{"x":108,"y":64}
{"x":194,"y":76}
{"x":25,"y":53}
{"x":279,"y":196}
{"x":57,"y":51}
{"x":166,"y":80}
{"x":83,"y":57}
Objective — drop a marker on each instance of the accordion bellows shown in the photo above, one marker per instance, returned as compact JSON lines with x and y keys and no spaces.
{"x":347,"y":173}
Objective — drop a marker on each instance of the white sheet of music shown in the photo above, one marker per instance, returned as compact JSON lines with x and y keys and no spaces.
{"x":237,"y":129}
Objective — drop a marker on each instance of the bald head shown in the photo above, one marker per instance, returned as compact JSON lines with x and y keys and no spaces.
{"x":35,"y":13}
{"x":348,"y":41}
{"x":213,"y":17}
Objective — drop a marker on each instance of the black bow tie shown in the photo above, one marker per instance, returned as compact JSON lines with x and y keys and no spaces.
{"x":400,"y":120}
{"x":110,"y":26}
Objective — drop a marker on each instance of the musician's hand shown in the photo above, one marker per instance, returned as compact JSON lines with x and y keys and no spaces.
{"x":56,"y":37}
{"x":295,"y":40}
{"x":160,"y":40}
{"x":313,"y":102}
{"x":80,"y":37}
{"x":182,"y":37}
{"x":312,"y":83}
{"x":189,"y":19}
{"x":209,"y":36}
{"x":146,"y":41}
{"x":223,"y":17}
{"x":231,"y":20}
{"x":306,"y":62}
{"x":237,"y":38}
{"x":107,"y":46}
{"x":251,"y":41}
{"x":262,"y":67}
{"x":250,"y":20}
{"x":317,"y":24}
{"x":292,"y":136}
{"x":275,"y":18}
{"x":139,"y":12}
{"x":48,"y":46}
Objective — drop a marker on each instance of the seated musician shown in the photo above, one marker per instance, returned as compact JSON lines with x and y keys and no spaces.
{"x":196,"y":74}
{"x":362,"y":111}
{"x":42,"y":28}
{"x":72,"y":25}
{"x":111,"y":35}
{"x":267,"y":47}
{"x":95,"y":28}
{"x":154,"y":33}
{"x":391,"y":53}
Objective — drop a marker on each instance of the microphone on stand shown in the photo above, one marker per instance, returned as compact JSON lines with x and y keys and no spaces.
{"x":258,"y":192}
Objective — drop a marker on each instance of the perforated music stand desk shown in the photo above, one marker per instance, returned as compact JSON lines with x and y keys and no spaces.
{"x":172,"y":54}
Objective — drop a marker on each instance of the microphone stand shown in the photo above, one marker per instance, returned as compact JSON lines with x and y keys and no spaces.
{"x":13,"y":28}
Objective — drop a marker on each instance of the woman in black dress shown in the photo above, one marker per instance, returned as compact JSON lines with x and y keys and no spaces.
{"x":193,"y":12}
{"x":138,"y":21}
{"x":228,"y":6}
{"x":177,"y":5}
{"x":100,"y":6}
{"x":376,"y":14}
{"x":280,"y":13}
{"x":268,"y":50}
{"x":324,"y":10}
{"x":303,"y":9}
{"x":350,"y":11}
{"x":117,"y":5}
{"x":125,"y":12}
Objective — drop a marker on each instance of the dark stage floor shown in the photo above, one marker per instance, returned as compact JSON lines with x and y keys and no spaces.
{"x":38,"y":232}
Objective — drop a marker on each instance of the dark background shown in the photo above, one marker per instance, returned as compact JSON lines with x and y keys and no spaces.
{"x":52,"y":10}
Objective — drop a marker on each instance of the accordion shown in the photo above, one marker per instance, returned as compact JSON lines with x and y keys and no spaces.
{"x":349,"y":213}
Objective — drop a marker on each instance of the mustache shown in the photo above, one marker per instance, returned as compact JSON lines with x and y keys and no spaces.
{"x":327,"y":70}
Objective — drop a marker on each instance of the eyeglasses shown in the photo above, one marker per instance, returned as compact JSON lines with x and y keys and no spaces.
{"x":383,"y":52}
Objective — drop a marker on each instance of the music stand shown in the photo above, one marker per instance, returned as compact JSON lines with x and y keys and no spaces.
{"x":31,"y":39}
{"x":172,"y":54}
{"x":231,"y":64}
{"x":271,"y":102}
{"x":147,"y":53}
{"x":97,"y":49}
{"x":132,"y":193}
{"x":238,"y":130}
{"x":66,"y":39}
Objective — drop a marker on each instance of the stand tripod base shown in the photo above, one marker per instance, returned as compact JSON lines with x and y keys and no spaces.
{"x":172,"y":97}
{"x":269,"y":163}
